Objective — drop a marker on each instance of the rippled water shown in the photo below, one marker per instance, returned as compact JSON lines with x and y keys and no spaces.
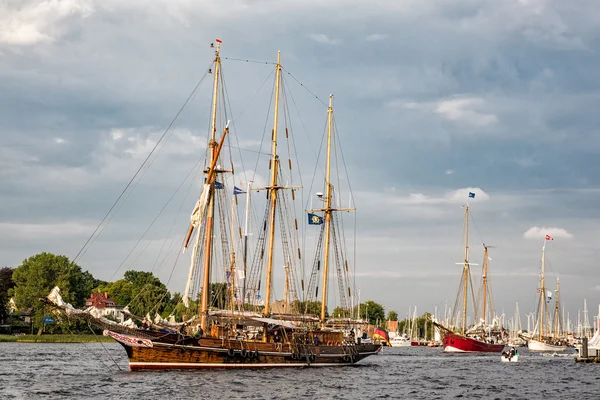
{"x":54,"y":371}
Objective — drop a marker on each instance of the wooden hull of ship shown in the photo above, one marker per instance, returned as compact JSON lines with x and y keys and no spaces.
{"x":538,"y":346}
{"x":455,"y":343}
{"x":210,"y":353}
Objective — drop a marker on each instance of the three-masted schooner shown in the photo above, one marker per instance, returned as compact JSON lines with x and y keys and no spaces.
{"x":246,"y":337}
{"x":478,"y":338}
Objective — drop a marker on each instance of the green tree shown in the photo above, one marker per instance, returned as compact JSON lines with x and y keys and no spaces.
{"x":417,"y":330}
{"x":392,"y":315}
{"x":141,"y":291}
{"x":372,"y":312}
{"x":403,"y":326}
{"x":219,"y":295}
{"x":340,"y":312}
{"x":309,"y":307}
{"x":37,"y":275}
{"x":179,"y":310}
{"x":6,"y":283}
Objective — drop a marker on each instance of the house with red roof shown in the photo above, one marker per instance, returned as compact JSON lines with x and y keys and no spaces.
{"x":100,"y":305}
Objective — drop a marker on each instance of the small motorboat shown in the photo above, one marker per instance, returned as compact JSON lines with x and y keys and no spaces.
{"x":510,"y":356}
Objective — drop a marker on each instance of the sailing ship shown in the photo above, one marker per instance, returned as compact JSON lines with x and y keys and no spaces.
{"x":479,"y":338}
{"x":248,"y":334}
{"x":542,"y":338}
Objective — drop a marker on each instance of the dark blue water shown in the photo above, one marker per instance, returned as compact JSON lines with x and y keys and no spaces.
{"x":86,"y":371}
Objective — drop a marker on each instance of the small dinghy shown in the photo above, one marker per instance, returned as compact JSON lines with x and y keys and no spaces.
{"x":510,"y":356}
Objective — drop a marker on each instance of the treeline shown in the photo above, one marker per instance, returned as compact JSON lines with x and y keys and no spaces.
{"x":142,"y":292}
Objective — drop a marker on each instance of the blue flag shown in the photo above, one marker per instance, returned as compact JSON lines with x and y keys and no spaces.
{"x":314,"y":219}
{"x":237,"y":190}
{"x":471,"y":195}
{"x":218,"y":185}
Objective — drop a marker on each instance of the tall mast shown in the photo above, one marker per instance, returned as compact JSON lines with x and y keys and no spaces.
{"x":556,"y":321}
{"x":465,"y":271}
{"x":232,"y":270}
{"x":485,"y":264}
{"x":328,"y":195}
{"x":272,"y":190}
{"x":542,"y":294}
{"x":586,"y":321}
{"x":246,"y":239}
{"x":206,"y":290}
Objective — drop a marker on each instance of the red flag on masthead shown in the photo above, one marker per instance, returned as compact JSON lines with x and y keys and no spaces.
{"x":548,"y":237}
{"x":218,"y":40}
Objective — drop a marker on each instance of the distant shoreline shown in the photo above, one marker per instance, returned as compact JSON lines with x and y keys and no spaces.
{"x":55,"y":338}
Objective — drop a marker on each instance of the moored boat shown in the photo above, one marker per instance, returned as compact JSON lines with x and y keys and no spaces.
{"x":456,"y":343}
{"x":400,"y":341}
{"x":539,"y":345}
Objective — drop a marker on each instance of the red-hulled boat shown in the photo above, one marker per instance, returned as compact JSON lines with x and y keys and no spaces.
{"x":455,"y":343}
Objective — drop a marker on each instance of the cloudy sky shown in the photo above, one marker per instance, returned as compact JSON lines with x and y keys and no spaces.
{"x":432,"y":100}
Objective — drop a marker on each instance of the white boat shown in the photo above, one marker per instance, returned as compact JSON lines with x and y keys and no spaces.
{"x":507,"y":357}
{"x":537,"y":345}
{"x":400,"y":341}
{"x":510,"y":356}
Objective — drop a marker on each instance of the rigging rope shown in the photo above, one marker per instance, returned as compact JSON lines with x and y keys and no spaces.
{"x":301,"y":84}
{"x":92,"y":237}
{"x":249,"y":61}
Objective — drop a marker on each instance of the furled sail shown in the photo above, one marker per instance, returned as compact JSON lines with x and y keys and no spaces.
{"x":196,"y":219}
{"x":200,"y":208}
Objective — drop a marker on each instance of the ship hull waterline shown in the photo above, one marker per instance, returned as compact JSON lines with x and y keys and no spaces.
{"x":144,"y":354}
{"x":454,"y":343}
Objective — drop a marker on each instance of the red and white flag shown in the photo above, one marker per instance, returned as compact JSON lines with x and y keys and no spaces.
{"x":548,"y":237}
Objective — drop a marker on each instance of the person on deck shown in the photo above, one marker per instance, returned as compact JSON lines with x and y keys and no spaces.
{"x":198,"y":332}
{"x":277,"y":340}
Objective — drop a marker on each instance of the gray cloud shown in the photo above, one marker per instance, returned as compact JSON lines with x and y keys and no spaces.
{"x":503,"y":95}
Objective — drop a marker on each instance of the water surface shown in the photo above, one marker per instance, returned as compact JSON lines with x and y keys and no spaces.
{"x":91,"y":371}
